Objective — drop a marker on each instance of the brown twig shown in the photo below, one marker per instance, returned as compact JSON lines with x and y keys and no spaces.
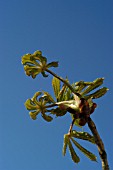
{"x":71,"y":126}
{"x":99,"y":143}
{"x":64,"y":81}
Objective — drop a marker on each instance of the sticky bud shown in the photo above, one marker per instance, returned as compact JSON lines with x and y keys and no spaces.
{"x":82,"y":122}
{"x":93,"y":108}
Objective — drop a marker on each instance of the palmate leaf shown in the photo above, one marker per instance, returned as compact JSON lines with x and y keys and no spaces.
{"x":99,"y":93}
{"x":96,"y":83}
{"x":90,"y":155}
{"x":36,"y":63}
{"x":73,"y":154}
{"x":83,"y":136}
{"x":37,"y":105}
{"x":56,"y":86}
{"x":67,"y":143}
{"x":79,"y":86}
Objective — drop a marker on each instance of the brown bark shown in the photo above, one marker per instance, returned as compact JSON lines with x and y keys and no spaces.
{"x":99,"y":143}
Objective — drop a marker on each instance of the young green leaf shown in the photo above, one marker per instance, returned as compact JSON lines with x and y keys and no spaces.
{"x":90,"y":155}
{"x":73,"y":154}
{"x":56,"y":86}
{"x":26,"y":59}
{"x":48,"y":97}
{"x":29,"y":104}
{"x":79,"y":86}
{"x":96,"y":83}
{"x":65,"y":144}
{"x":36,"y":95}
{"x":61,"y":93}
{"x":47,"y":117}
{"x":52,"y":64}
{"x":33,"y":114}
{"x":37,"y":53}
{"x":83,"y":136}
{"x":98,"y":93}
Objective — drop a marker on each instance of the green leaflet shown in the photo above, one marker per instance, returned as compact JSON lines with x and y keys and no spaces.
{"x":81,"y":85}
{"x":68,"y":94}
{"x":47,"y":117}
{"x":83,"y":136}
{"x":73,"y":154}
{"x":37,"y":55}
{"x":29,"y":104}
{"x":52,"y":64}
{"x":31,"y":70}
{"x":34,"y":114}
{"x":96,"y":83}
{"x":98,"y":93}
{"x":36,"y":95}
{"x":48,"y":97}
{"x":65,"y":144}
{"x":90,"y":155}
{"x":56,"y":86}
{"x":61,"y":93}
{"x":58,"y":112}
{"x":26,"y":59}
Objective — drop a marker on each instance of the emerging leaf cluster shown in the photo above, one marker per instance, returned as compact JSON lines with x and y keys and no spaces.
{"x":69,"y":139}
{"x":36,"y":63}
{"x":76,"y":98}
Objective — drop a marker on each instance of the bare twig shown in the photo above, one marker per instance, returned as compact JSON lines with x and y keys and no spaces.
{"x":99,"y":143}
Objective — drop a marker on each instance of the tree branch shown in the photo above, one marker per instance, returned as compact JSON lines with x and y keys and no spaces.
{"x":64,"y":81}
{"x":99,"y":143}
{"x":71,"y":126}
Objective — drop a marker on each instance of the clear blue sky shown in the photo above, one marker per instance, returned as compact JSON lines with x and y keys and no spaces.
{"x":78,"y":34}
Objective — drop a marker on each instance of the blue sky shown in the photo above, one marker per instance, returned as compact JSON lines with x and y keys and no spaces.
{"x":78,"y":34}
